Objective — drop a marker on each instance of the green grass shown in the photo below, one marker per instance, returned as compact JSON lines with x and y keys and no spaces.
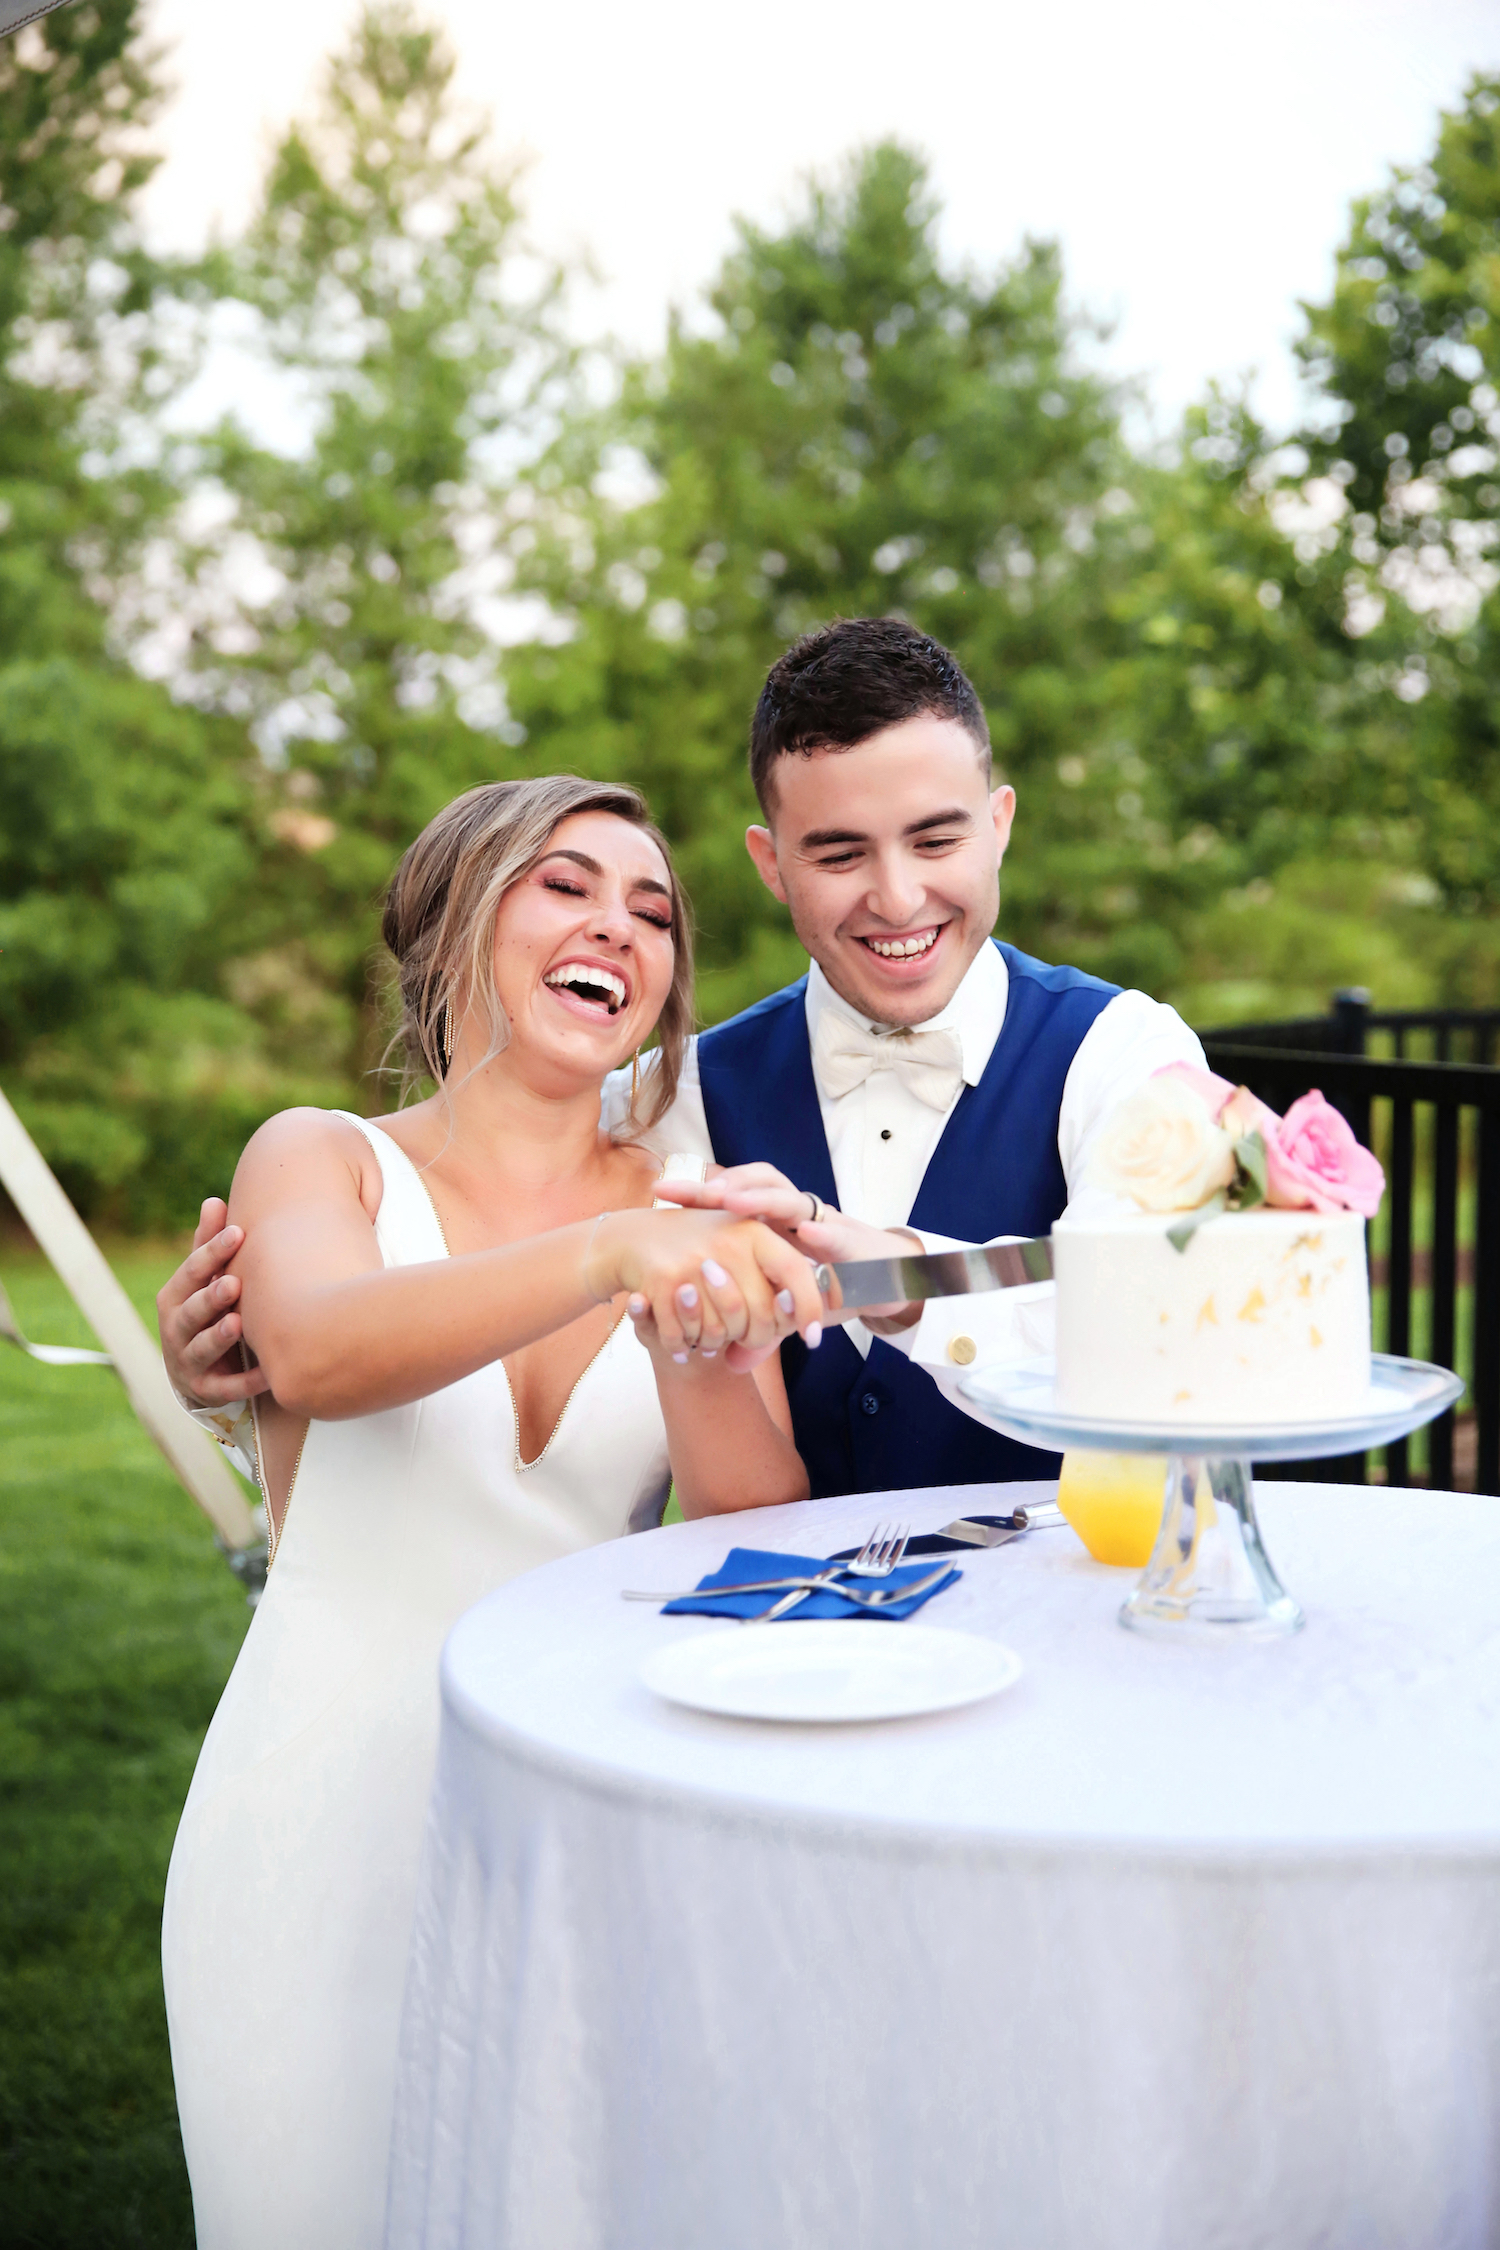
{"x":118,"y":1627}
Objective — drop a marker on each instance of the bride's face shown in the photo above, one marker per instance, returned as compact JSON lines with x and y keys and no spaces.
{"x":584,"y":953}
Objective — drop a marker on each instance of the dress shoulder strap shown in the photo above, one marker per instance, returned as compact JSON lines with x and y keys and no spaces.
{"x":407,"y":1226}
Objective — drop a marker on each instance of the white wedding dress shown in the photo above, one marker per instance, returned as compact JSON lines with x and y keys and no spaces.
{"x":293,"y":1879}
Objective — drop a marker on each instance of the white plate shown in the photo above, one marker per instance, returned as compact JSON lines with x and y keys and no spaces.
{"x":830,"y":1670}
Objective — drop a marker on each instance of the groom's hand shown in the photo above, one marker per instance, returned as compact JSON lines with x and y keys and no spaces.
{"x":200,"y":1327}
{"x":750,"y":1191}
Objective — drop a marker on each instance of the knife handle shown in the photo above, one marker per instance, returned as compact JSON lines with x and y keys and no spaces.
{"x":783,"y":1608}
{"x":788,"y":1602}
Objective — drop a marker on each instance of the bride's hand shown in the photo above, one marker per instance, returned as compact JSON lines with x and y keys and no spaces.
{"x":706,"y":1279}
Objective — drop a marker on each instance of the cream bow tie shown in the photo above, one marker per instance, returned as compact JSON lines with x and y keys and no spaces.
{"x":928,"y":1063}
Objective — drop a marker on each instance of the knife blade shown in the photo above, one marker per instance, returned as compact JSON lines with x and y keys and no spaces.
{"x":16,"y":14}
{"x":942,"y":1273}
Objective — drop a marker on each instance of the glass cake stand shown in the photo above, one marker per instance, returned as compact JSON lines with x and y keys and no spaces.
{"x":1209,"y":1576}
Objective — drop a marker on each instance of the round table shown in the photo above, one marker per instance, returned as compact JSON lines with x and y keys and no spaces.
{"x":1167,"y":1948}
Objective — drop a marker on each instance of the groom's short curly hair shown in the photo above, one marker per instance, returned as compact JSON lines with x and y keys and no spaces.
{"x":838,"y":686}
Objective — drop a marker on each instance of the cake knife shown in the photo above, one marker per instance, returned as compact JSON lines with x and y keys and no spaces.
{"x":940,"y":1273}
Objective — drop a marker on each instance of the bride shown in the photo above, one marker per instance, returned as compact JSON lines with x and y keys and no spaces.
{"x":450,"y":1392}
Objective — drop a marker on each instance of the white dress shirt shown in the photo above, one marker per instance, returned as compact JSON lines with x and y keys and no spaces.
{"x":881,"y":1138}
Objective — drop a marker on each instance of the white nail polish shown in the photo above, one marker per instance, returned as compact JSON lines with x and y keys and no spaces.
{"x":681,"y":1358}
{"x":812,"y":1335}
{"x":785,"y":1301}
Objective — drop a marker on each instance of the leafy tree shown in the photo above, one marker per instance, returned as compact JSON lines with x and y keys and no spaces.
{"x":1245,"y":691}
{"x":863,"y":430}
{"x":1412,"y":332}
{"x":1161,"y":648}
{"x":1407,"y":355}
{"x":121,"y":815}
{"x":387,"y":272}
{"x":1234,"y":682}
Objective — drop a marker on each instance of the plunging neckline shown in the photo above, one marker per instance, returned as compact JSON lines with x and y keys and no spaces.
{"x":522,"y":1464}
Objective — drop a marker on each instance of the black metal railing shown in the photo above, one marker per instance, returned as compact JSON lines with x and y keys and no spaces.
{"x":1434,"y":1120}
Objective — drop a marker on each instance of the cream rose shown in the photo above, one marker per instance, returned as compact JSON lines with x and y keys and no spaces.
{"x":1163,"y":1149}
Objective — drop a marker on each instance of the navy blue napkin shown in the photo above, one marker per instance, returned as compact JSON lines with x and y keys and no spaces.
{"x":748,"y":1565}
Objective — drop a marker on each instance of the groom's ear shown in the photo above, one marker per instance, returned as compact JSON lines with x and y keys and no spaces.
{"x":761,"y":846}
{"x":1002,"y":812}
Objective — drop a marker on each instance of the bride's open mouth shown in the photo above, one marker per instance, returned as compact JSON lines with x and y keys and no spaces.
{"x":587,"y":988}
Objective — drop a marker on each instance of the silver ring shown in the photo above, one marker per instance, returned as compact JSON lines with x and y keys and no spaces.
{"x":817,"y":1207}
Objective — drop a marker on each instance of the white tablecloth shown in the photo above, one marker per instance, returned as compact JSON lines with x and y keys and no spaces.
{"x":1168,"y":1948}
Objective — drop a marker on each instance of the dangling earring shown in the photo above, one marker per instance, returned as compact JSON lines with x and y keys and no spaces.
{"x":635,"y":1078}
{"x":445,"y":1043}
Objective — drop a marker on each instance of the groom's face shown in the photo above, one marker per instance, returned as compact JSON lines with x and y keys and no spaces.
{"x":888,"y":857}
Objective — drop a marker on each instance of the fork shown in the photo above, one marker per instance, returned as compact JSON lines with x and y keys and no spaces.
{"x":877,"y":1558}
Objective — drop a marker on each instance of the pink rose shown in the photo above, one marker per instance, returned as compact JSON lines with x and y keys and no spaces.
{"x":1211,"y":1091}
{"x":1314,"y":1163}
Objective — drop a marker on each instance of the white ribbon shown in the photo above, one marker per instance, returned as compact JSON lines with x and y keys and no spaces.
{"x":930,"y":1064}
{"x":54,"y":1355}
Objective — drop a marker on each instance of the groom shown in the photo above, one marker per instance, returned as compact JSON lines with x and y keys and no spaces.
{"x":921,"y":1076}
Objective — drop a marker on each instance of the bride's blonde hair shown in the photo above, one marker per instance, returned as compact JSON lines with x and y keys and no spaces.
{"x":440,"y":910}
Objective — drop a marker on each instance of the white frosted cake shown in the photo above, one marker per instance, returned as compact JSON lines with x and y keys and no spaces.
{"x":1263,"y":1317}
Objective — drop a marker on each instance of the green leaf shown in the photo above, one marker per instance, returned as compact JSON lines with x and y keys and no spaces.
{"x":1248,"y":1188}
{"x":1182,"y":1234}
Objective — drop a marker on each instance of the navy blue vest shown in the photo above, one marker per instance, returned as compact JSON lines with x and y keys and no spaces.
{"x":880,"y":1424}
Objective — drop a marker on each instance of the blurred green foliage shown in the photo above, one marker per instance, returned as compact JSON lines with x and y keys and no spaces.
{"x":129,"y":842}
{"x":118,"y":1627}
{"x":1244,"y":687}
{"x":383,"y":266}
{"x":1407,"y":356}
{"x":862,"y":431}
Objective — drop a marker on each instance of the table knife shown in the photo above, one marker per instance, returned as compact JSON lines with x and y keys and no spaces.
{"x":798,"y":1595}
{"x":749,"y":1586}
{"x":972,"y":1534}
{"x":822,"y":1584}
{"x":941,"y":1273}
{"x":882,"y":1597}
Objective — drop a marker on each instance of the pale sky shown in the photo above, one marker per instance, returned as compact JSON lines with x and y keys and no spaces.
{"x":1195,"y":160}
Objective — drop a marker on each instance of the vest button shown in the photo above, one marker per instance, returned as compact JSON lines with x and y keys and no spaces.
{"x":870,"y":1403}
{"x":962,"y":1350}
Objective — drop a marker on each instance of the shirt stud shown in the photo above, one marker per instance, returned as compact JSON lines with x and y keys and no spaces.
{"x":962,"y":1350}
